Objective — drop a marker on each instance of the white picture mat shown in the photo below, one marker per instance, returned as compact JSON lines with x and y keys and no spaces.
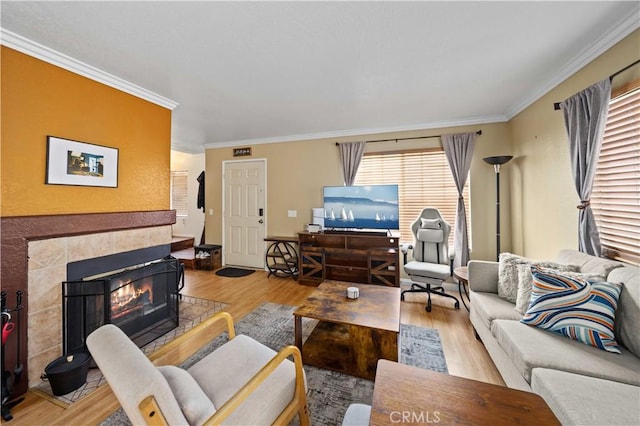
{"x":58,"y":149}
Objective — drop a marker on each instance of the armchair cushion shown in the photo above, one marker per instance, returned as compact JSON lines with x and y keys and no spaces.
{"x":231,"y":372}
{"x":194,"y":403}
{"x":132,"y":381}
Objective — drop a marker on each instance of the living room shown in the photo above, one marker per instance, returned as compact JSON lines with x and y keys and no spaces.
{"x":40,"y":99}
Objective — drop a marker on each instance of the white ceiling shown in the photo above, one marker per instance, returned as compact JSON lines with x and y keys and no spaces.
{"x":255,"y":72}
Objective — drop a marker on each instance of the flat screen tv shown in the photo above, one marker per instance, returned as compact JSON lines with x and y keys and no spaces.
{"x":361,"y":207}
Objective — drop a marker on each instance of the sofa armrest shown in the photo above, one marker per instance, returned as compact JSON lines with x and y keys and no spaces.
{"x":483,"y":276}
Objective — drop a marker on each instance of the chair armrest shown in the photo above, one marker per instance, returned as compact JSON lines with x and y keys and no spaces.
{"x":452,"y":254}
{"x":226,"y":316}
{"x":243,"y":393}
{"x":452,"y":257}
{"x":405,"y":249}
{"x":483,"y":276}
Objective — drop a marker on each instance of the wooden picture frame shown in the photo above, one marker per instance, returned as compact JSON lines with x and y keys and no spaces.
{"x":78,"y":163}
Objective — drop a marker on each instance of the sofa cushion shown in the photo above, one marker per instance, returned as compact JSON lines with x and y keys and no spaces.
{"x":222,"y":373}
{"x":489,"y":306}
{"x":529,"y":347}
{"x":195,"y":405}
{"x":627,"y":324}
{"x":525,"y":284}
{"x":582,"y":400}
{"x":574,"y":307}
{"x":508,"y":273}
{"x":587,"y":263}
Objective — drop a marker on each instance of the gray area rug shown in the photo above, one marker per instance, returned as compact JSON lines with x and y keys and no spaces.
{"x":330,"y":392}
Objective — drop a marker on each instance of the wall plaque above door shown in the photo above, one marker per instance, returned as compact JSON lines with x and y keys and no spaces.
{"x":241,"y":152}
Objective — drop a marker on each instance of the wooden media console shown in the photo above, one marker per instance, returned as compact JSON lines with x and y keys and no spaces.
{"x":354,"y":257}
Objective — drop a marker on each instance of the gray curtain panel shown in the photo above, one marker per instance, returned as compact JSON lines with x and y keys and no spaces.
{"x":350,"y":155}
{"x":585,"y":116}
{"x":459,"y":150}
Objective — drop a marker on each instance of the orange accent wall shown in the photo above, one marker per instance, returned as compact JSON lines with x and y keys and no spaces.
{"x":40,"y":99}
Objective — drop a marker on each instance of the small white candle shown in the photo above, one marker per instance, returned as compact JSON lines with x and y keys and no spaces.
{"x":353,"y":292}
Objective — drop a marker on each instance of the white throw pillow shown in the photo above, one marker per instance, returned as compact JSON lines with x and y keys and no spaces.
{"x":508,"y":273}
{"x":525,"y":284}
{"x":194,"y":403}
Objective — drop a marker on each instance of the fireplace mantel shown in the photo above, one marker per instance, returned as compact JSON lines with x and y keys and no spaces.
{"x":18,"y":231}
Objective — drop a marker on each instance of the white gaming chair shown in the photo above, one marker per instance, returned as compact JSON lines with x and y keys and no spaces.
{"x":432,"y":263}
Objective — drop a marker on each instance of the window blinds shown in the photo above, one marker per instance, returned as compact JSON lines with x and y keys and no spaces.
{"x":179,"y":192}
{"x":615,"y":199}
{"x":424,"y":180}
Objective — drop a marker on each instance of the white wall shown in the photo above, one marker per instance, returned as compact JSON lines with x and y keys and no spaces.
{"x":193,"y":224}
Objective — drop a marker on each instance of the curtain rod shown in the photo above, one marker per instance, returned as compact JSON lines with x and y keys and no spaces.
{"x":479,"y":132}
{"x":556,"y":105}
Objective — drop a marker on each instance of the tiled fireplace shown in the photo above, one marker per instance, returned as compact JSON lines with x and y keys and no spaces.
{"x":35,"y":258}
{"x":135,"y":290}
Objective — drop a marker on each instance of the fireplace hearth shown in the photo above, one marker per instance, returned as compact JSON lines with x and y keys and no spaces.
{"x":141,"y":299}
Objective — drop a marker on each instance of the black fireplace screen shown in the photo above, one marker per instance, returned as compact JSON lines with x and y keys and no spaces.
{"x":142,"y":301}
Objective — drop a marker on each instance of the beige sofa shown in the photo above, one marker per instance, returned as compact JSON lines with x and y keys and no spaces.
{"x":582,"y":384}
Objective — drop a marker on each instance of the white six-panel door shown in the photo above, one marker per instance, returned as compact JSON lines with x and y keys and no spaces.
{"x":244,"y":213}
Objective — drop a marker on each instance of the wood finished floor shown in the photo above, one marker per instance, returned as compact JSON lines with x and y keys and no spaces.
{"x":465,"y":356}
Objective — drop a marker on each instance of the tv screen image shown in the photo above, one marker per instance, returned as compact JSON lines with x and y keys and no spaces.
{"x":361,"y":207}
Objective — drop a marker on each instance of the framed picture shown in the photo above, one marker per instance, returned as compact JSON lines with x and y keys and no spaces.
{"x":78,"y":163}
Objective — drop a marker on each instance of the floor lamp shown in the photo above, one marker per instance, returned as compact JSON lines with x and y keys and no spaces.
{"x":497,"y":162}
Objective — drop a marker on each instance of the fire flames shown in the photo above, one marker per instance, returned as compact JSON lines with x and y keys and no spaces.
{"x":129,"y":296}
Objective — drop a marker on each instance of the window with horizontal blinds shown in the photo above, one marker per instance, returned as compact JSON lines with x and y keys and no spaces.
{"x":424,"y":180}
{"x":615,"y":199}
{"x":179,"y":192}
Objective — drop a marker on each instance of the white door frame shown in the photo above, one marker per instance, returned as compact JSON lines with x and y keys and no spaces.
{"x":224,"y":198}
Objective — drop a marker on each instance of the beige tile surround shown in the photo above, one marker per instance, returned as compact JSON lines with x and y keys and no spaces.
{"x":47,"y":269}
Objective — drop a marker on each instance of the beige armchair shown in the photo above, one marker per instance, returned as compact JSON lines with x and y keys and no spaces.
{"x":241,"y":382}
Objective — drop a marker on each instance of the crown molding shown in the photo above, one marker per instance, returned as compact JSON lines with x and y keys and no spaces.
{"x":188,"y":149}
{"x":360,"y":132}
{"x":46,"y":54}
{"x":619,"y":31}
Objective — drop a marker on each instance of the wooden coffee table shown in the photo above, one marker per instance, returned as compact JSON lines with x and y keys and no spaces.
{"x":404,"y":394}
{"x":353,"y":334}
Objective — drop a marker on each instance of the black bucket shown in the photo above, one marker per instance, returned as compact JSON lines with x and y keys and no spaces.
{"x":68,"y":373}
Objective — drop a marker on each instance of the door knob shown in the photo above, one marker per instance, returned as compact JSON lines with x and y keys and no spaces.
{"x":260,"y":221}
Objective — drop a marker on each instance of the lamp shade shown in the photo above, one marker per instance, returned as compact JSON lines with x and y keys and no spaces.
{"x":501,"y":159}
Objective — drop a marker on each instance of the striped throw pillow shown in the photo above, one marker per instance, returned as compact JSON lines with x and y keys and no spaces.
{"x":574,"y":307}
